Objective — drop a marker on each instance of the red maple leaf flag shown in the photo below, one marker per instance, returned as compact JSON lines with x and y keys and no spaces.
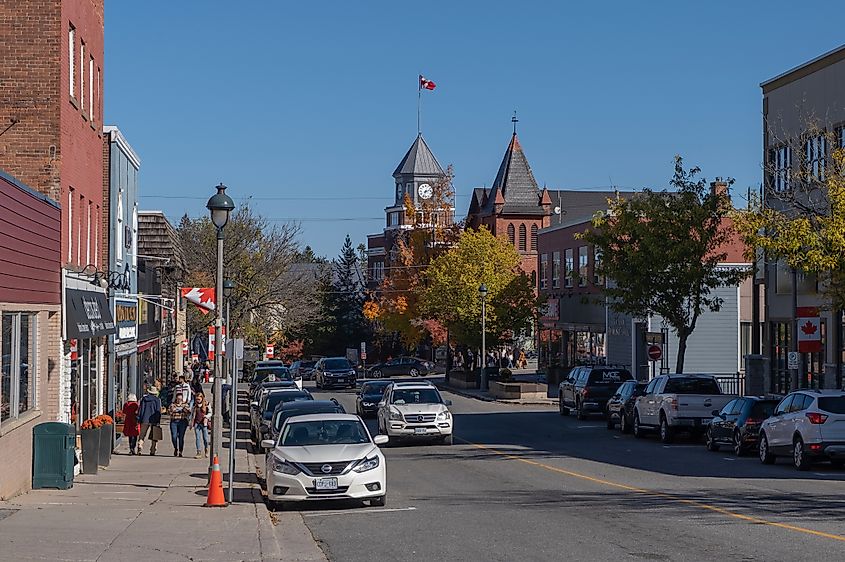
{"x":426,"y":84}
{"x":809,"y":328}
{"x":201,"y":297}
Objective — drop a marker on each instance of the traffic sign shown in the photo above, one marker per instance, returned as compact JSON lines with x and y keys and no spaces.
{"x":793,"y":360}
{"x":655,"y":352}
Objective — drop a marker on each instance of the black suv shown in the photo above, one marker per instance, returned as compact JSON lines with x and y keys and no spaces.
{"x":737,"y":425}
{"x":587,"y":389}
{"x":620,"y":407}
{"x":331,"y":372}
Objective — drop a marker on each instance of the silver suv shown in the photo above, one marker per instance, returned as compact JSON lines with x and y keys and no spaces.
{"x":808,"y":425}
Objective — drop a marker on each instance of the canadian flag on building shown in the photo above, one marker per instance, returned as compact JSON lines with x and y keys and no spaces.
{"x":809,"y":329}
{"x":426,"y":84}
{"x":202,"y":297}
{"x":211,"y":342}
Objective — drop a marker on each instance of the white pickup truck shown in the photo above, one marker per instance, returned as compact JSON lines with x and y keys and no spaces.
{"x":674,"y":403}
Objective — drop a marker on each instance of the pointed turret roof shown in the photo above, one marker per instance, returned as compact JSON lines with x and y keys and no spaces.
{"x":419,"y":161}
{"x":515,"y":182}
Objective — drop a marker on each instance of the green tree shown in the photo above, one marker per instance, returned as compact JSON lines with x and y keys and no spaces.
{"x":662,"y":252}
{"x":451,"y":295}
{"x":345,"y":305}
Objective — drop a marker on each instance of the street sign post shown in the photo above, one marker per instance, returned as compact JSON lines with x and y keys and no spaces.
{"x":793,"y":360}
{"x":655,"y":352}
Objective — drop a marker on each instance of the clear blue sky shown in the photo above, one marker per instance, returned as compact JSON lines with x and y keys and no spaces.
{"x":318,"y":99}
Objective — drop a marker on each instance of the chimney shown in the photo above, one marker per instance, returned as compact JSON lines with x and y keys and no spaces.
{"x":720,"y":187}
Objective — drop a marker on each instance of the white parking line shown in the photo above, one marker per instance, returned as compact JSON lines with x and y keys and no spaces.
{"x":358,"y":512}
{"x":728,"y":459}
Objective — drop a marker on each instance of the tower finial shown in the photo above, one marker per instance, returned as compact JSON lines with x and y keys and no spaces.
{"x":514,"y":120}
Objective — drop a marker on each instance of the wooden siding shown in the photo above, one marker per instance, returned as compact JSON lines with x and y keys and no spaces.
{"x":30,"y":246}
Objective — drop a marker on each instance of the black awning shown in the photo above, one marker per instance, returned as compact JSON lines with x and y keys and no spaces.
{"x":87,"y":314}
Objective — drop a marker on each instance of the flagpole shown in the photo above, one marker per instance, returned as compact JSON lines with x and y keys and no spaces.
{"x":419,"y":101}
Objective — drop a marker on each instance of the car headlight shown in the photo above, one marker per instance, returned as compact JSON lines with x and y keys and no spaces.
{"x":444,"y":416}
{"x":367,"y":464}
{"x":279,"y":465}
{"x":395,"y":415}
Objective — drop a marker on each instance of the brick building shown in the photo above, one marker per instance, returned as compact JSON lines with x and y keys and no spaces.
{"x":51,"y":108}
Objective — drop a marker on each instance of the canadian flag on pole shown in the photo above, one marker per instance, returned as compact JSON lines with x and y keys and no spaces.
{"x":202,"y":297}
{"x":426,"y":84}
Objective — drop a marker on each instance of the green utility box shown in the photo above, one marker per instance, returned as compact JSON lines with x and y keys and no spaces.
{"x":53,"y":445}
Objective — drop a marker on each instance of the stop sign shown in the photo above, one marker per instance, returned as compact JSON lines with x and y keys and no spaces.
{"x":654,"y":352}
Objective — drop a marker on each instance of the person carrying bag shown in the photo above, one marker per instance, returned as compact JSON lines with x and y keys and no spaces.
{"x":149,"y":416}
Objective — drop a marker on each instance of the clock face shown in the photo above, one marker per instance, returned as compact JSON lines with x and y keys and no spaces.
{"x":425,"y":191}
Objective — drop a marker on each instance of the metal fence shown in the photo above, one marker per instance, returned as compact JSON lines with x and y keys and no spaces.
{"x":732,"y":384}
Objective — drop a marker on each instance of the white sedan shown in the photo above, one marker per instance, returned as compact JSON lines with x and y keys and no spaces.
{"x":325,"y":457}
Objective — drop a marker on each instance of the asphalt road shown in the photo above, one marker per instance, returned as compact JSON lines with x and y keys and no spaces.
{"x":523,"y":483}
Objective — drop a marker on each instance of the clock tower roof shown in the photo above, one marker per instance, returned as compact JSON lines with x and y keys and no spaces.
{"x":419,"y":161}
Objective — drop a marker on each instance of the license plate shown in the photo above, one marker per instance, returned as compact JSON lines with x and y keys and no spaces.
{"x":326,"y":484}
{"x":419,"y":430}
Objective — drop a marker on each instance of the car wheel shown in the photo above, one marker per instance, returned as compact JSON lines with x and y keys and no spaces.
{"x":766,"y":456}
{"x":377,"y":374}
{"x":800,"y":459}
{"x":638,"y":430}
{"x":665,"y":431}
{"x":579,"y":413}
{"x":739,"y":450}
{"x":624,"y":426}
{"x":711,"y":443}
{"x":414,"y":372}
{"x":564,"y":411}
{"x":379,"y":501}
{"x":448,"y":440}
{"x":610,"y":423}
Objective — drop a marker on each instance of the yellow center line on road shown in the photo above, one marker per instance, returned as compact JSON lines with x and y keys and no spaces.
{"x":664,"y":495}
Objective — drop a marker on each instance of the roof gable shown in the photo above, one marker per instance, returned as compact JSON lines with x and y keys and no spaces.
{"x":419,"y":161}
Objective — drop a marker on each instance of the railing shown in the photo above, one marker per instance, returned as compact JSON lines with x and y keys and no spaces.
{"x":732,"y":384}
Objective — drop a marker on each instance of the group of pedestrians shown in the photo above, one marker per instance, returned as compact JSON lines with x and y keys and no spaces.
{"x":188,"y":408}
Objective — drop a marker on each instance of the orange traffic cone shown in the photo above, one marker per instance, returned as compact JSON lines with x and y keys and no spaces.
{"x":215,"y":487}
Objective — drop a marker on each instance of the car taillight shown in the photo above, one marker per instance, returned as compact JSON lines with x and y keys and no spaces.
{"x":816,"y":418}
{"x":751,"y":421}
{"x":674,"y":403}
{"x":585,"y":393}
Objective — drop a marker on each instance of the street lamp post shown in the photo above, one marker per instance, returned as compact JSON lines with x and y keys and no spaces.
{"x":220,"y":205}
{"x":228,"y":289}
{"x":482,"y":290}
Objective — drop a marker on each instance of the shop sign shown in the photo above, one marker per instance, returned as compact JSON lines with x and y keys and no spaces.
{"x":550,"y":312}
{"x":126,"y":319}
{"x":87,"y":314}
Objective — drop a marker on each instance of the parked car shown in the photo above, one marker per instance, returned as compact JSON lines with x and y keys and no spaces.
{"x":620,"y":407}
{"x":270,"y":429}
{"x":737,"y":425}
{"x":268,"y":372}
{"x":264,"y":388}
{"x":303,"y":369}
{"x":674,"y":403}
{"x":587,"y":389}
{"x":371,"y":393}
{"x":415,"y":410}
{"x":330,"y":372}
{"x":809,"y":426}
{"x":403,"y":366}
{"x":263,"y":410}
{"x":325,"y":457}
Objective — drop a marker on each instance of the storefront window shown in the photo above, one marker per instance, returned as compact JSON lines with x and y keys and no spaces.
{"x":84,"y":372}
{"x":17,"y":391}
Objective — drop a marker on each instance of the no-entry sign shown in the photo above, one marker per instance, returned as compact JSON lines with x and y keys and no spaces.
{"x":654,"y":352}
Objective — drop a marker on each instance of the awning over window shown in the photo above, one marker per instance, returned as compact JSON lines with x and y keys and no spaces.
{"x":87,"y":314}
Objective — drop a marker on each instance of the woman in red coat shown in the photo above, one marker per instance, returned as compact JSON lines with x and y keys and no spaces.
{"x":131,"y":428}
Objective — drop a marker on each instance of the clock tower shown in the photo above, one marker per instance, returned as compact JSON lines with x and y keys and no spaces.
{"x":416,"y":176}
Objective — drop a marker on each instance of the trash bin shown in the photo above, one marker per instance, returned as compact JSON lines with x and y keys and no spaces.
{"x":53,"y":448}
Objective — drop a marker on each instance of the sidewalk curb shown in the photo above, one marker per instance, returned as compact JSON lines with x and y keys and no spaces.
{"x":462,"y":392}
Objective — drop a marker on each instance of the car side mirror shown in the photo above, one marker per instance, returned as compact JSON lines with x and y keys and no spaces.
{"x":447,"y":402}
{"x":381,"y":439}
{"x":267,"y":443}
{"x":254,"y":404}
{"x":381,"y":404}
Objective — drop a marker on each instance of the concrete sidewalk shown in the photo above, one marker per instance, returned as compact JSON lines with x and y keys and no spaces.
{"x":144,"y":507}
{"x":487,"y":397}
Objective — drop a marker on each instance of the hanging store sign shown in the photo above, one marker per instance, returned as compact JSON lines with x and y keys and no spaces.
{"x":126,"y":320}
{"x":87,"y":314}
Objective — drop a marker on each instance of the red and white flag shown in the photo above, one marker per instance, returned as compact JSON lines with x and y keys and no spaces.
{"x":202,"y":297}
{"x":426,"y":84}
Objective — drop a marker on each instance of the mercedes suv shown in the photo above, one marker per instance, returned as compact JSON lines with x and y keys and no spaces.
{"x":415,"y":410}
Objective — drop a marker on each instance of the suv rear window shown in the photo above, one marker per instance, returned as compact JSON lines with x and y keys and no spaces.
{"x":609,"y":376}
{"x":763,"y":409}
{"x":832,"y":404}
{"x":692,"y":385}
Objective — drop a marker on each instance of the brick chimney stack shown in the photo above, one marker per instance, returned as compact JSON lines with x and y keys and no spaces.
{"x":720,"y":187}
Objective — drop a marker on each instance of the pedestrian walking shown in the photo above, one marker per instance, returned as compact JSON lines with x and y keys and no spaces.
{"x":523,"y":362}
{"x":184,"y":389}
{"x":149,"y":416}
{"x":196,"y":386}
{"x":131,"y":427}
{"x":180,"y":413}
{"x":200,"y":418}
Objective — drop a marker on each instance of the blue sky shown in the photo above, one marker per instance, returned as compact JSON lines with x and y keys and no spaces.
{"x":308,"y":106}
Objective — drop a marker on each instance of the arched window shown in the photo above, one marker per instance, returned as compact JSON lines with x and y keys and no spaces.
{"x":533,"y":237}
{"x":523,"y":235}
{"x":511,"y":234}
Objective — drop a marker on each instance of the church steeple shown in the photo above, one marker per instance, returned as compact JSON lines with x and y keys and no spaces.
{"x":515,"y":183}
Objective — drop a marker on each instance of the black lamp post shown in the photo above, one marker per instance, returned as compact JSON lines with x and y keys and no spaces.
{"x":220,"y":205}
{"x":482,"y":291}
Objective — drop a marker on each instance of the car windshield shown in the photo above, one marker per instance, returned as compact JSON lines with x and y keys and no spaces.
{"x":416,"y":396}
{"x":337,"y":364}
{"x":692,"y":385}
{"x":609,"y":377}
{"x":763,"y":409}
{"x":282,"y":415}
{"x":324,"y":432}
{"x":278,"y":373}
{"x":832,"y":404}
{"x":373,"y":388}
{"x":278,"y":397}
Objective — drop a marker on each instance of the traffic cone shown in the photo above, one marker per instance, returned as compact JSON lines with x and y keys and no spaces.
{"x":215,"y":487}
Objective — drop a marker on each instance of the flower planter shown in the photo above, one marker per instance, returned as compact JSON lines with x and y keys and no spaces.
{"x":106,"y":445}
{"x":90,"y":450}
